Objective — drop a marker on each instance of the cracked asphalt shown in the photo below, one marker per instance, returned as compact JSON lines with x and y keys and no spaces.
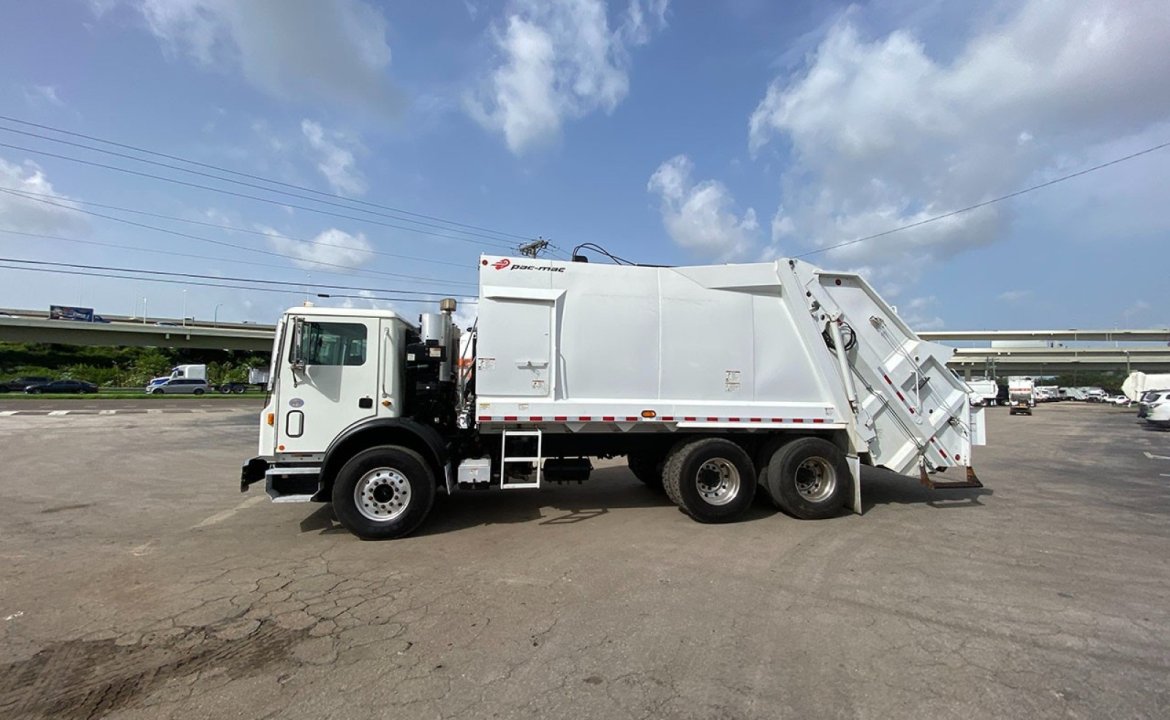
{"x":138,"y":583}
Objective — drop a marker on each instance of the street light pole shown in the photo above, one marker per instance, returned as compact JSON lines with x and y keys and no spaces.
{"x":184,"y":308}
{"x":215,"y":315}
{"x":144,"y":312}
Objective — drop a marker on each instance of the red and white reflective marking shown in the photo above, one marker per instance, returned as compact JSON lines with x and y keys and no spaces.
{"x":898,"y":393}
{"x":634,"y":418}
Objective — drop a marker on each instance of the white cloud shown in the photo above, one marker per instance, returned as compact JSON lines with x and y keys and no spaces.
{"x":43,"y":95}
{"x":1135,"y":311}
{"x":882,"y":135}
{"x":559,"y":60}
{"x":919,"y":314}
{"x":331,"y":248}
{"x":28,"y":213}
{"x":336,"y":161}
{"x":333,"y":50}
{"x":1014,"y":295}
{"x":701,"y":216}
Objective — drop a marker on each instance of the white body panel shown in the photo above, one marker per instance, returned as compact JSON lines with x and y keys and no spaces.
{"x":189,"y":372}
{"x":1139,"y":382}
{"x":984,"y":388}
{"x":574,"y":346}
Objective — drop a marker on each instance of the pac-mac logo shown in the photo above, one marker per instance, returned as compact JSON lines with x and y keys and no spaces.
{"x":501,"y":264}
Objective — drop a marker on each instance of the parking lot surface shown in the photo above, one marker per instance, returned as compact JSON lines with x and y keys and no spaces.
{"x":138,"y":583}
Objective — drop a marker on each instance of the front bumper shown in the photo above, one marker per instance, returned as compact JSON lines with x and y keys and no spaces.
{"x":253,"y":471}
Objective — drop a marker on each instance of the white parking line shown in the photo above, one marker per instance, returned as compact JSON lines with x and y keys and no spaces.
{"x":58,"y":413}
{"x":225,"y":514}
{"x":1152,"y":456}
{"x":107,"y":412}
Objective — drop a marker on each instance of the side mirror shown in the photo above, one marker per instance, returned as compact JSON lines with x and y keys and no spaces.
{"x":296,"y":358}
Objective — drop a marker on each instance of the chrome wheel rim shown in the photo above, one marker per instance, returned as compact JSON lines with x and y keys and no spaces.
{"x":717,"y":481}
{"x":815,"y":479}
{"x":382,"y":494}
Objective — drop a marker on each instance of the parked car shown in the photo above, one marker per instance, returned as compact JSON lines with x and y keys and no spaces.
{"x":174,"y":386}
{"x":1159,"y":414}
{"x":61,"y":386}
{"x":19,"y":384}
{"x":1148,"y":399}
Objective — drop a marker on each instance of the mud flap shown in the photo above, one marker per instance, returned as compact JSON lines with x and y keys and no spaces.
{"x":854,"y":503}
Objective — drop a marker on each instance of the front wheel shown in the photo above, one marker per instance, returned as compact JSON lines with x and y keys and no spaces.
{"x":809,"y":478}
{"x":384,"y":492}
{"x":156,"y":391}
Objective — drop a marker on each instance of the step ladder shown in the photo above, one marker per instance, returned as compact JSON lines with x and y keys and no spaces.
{"x":537,"y":460}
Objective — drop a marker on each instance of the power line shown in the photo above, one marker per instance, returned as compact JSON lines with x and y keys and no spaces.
{"x":172,"y":253}
{"x":218,"y":168}
{"x":992,"y":201}
{"x":233,"y":228}
{"x":189,"y":236}
{"x":214,"y":277}
{"x":245,"y":196}
{"x":226,"y":285}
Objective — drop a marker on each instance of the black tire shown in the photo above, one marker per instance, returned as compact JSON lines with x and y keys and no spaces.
{"x":225,"y":389}
{"x":156,"y":391}
{"x":35,"y":391}
{"x":647,"y":467}
{"x":239,"y":390}
{"x":198,"y":391}
{"x":408,"y":479}
{"x":809,"y":478}
{"x":712,"y":479}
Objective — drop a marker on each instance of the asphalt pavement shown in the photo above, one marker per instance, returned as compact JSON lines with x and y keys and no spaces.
{"x":82,"y":405}
{"x":139,"y":583}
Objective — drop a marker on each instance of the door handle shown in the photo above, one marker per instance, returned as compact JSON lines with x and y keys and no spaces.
{"x":366,"y":403}
{"x":531,"y":364}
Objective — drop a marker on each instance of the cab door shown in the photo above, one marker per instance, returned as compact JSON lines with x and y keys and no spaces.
{"x":329,"y":380}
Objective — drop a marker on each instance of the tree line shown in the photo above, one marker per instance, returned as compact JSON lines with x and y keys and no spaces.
{"x":121,"y":366}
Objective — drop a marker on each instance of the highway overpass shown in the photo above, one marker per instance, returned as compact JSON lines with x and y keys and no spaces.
{"x":1145,"y":350}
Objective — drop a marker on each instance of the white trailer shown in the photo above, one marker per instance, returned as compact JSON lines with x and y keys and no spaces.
{"x":711,"y":380}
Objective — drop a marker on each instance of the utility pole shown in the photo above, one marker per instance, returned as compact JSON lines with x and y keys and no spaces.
{"x":532,"y":249}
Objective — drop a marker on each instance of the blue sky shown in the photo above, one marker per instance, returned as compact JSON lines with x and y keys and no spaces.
{"x":668,"y":132}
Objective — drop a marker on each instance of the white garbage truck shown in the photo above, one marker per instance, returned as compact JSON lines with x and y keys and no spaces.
{"x":712,"y":381}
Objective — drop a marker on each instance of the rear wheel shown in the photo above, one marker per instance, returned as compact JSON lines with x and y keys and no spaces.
{"x":809,"y":478}
{"x":239,"y":389}
{"x":712,"y":479}
{"x":384,"y":492}
{"x":198,"y":391}
{"x":225,"y":389}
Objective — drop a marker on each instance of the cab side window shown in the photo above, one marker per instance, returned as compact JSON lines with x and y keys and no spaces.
{"x":333,"y":343}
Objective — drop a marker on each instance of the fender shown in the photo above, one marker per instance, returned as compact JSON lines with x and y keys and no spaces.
{"x":382,"y":431}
